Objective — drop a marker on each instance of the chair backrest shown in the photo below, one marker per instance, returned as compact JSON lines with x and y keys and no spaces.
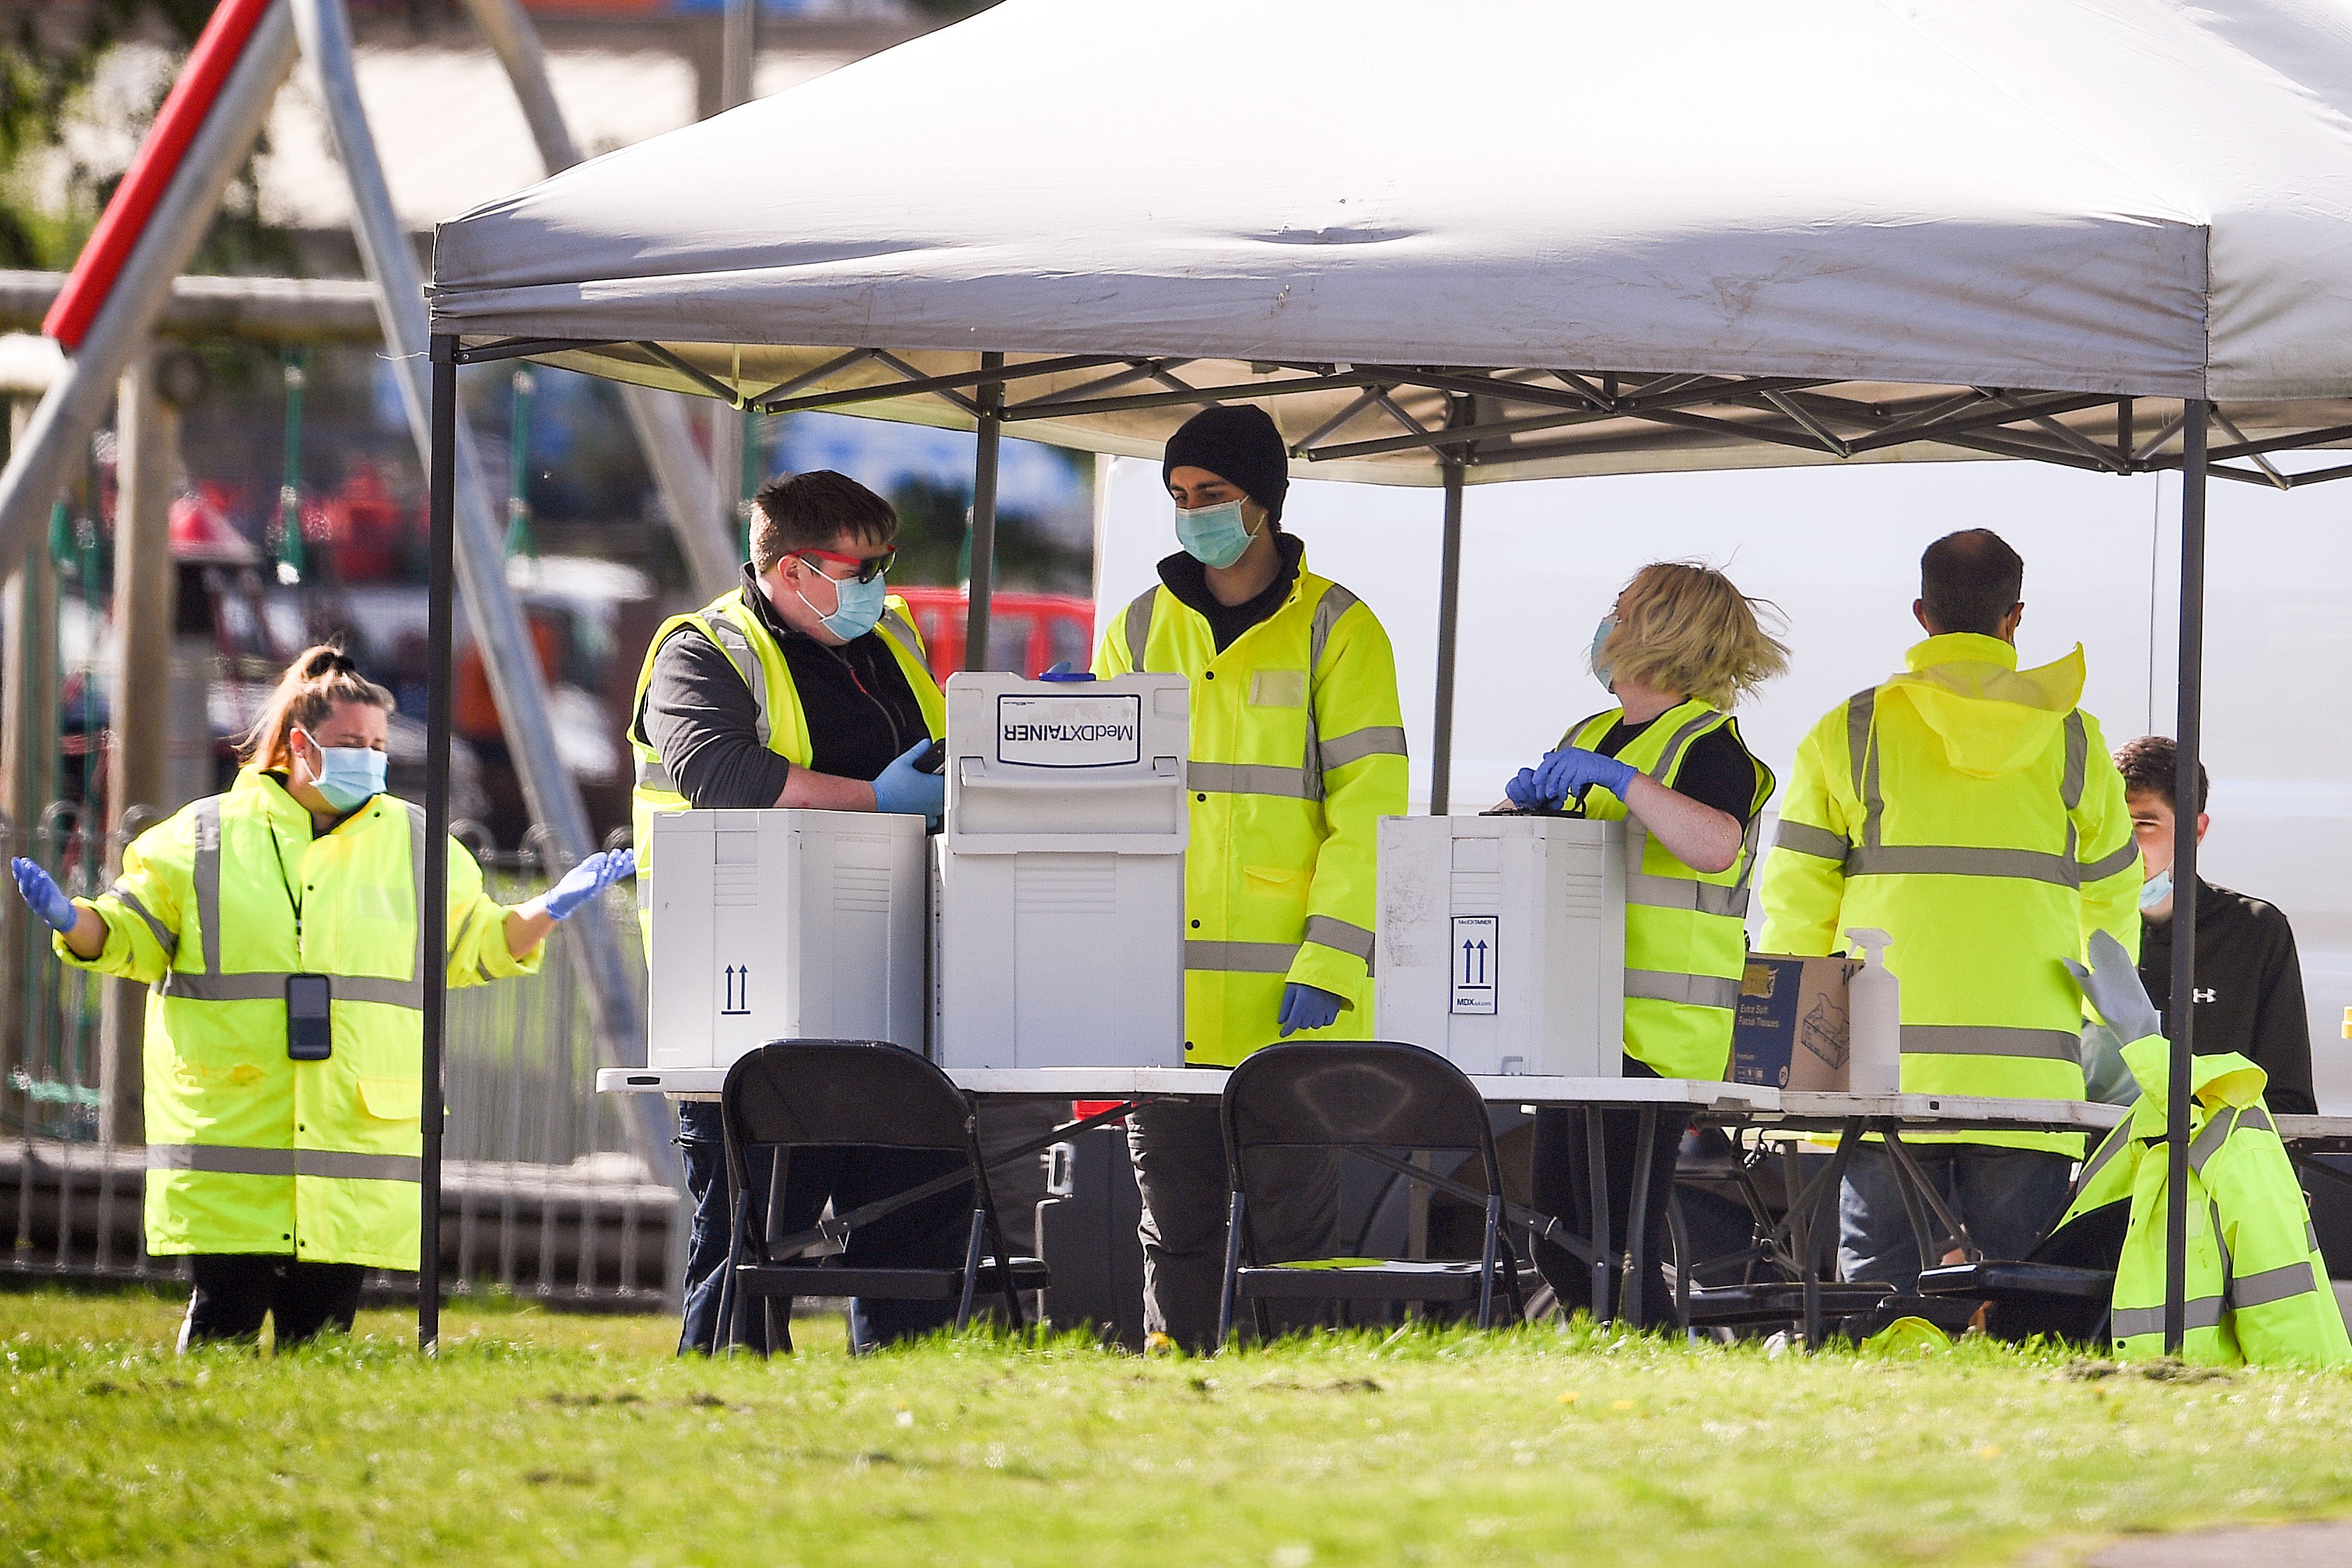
{"x":810,"y":1092}
{"x":1354,"y":1094}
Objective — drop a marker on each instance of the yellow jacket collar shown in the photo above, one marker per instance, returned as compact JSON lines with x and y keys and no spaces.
{"x":1960,"y":647}
{"x":2225,"y":1078}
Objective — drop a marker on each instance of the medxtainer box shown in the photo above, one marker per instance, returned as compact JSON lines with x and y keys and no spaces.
{"x":1501,"y":942}
{"x":1792,"y":1030}
{"x":784,"y":924}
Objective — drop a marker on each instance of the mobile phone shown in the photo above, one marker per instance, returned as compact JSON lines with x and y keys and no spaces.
{"x":935,"y":760}
{"x":310,"y":1017}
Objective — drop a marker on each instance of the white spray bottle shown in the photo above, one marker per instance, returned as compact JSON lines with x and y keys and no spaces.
{"x":1874,"y":1011}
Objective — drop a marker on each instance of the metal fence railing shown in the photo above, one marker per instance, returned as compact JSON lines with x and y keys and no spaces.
{"x":546,"y":1192}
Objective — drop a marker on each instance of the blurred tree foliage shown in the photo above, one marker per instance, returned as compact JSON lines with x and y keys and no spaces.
{"x":50,"y":53}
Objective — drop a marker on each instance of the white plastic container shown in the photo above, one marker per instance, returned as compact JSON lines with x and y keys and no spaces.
{"x":784,"y":926}
{"x":1502,"y":942}
{"x":1874,"y":1003}
{"x":1059,"y":898}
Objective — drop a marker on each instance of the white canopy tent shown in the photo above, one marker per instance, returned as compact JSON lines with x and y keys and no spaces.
{"x":1698,"y":235}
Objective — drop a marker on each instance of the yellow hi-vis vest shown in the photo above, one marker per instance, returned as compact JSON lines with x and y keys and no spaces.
{"x":1971,"y":810}
{"x":1297,"y":752}
{"x":734,"y":626}
{"x":249,"y":1151}
{"x":2257,"y":1288}
{"x":1685,"y":931}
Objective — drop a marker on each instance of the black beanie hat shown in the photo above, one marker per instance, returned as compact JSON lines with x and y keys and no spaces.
{"x":1239,"y":443}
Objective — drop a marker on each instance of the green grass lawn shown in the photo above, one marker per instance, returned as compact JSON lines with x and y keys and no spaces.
{"x":543,"y":1438}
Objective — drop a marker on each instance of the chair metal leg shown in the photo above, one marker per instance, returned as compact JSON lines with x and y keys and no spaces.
{"x":1679,"y":1233}
{"x":1234,"y":1212}
{"x":971,"y":1268}
{"x":1486,"y":1260}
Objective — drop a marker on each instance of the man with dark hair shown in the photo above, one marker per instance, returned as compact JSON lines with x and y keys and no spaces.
{"x":2249,"y":979}
{"x":803,"y":686}
{"x":1969,"y":809}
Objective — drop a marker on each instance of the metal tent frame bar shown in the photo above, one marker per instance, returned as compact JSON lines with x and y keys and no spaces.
{"x":1487,"y":411}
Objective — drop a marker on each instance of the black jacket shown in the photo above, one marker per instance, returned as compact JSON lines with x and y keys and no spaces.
{"x":2248,"y":990}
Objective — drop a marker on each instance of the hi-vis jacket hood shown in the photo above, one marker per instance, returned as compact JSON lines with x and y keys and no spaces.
{"x":1993,"y":718}
{"x":2224,"y":1079}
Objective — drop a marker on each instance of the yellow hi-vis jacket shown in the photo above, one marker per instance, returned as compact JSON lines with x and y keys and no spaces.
{"x":1297,"y":752}
{"x":1971,"y":810}
{"x":734,"y":626}
{"x":2257,"y":1288}
{"x":249,"y":1151}
{"x":1685,"y":931}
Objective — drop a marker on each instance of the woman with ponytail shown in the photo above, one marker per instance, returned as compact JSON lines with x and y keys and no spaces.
{"x":279,"y":928}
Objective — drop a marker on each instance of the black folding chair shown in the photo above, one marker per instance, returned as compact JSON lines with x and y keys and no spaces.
{"x":836,"y":1094}
{"x":2064,"y":1287}
{"x":1382,"y":1102}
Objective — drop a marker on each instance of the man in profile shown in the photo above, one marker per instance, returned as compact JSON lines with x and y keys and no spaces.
{"x":1969,"y":808}
{"x":2249,"y":979}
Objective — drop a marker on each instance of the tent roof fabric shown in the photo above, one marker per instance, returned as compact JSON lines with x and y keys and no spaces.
{"x":1862,"y":207}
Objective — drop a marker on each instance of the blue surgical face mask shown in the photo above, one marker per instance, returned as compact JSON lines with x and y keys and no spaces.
{"x":2156,"y":889}
{"x":347,"y":776}
{"x":1213,"y":536}
{"x":1600,"y":635}
{"x":857,"y":606}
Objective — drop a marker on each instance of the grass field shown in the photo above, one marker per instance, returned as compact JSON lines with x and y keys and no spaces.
{"x":543,"y":1438}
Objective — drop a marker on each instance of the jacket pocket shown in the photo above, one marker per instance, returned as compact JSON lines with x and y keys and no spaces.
{"x":392,"y":1099}
{"x":1277,"y":689}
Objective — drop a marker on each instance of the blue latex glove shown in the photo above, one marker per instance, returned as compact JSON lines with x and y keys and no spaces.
{"x":906,"y":791}
{"x":43,"y":896}
{"x":1563,"y":773}
{"x":589,"y":878}
{"x":1307,"y":1007}
{"x":1523,"y":792}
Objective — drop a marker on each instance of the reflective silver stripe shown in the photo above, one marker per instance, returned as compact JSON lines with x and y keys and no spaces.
{"x":1680,"y":892}
{"x":1947,"y":860}
{"x":344,"y":1166}
{"x":2310,"y":1235}
{"x":2109,"y":1146}
{"x":1989,"y":1039}
{"x":1330,"y":931}
{"x":1336,"y":601}
{"x":1241,"y":958}
{"x":654,"y":776}
{"x":259,"y":986}
{"x":1686,"y":990}
{"x":2078,"y":757}
{"x":1810,"y":841}
{"x":376,"y":988}
{"x":2256,"y":1116}
{"x":737,"y":648}
{"x":2273,"y":1285}
{"x":207,"y":877}
{"x":2202,"y":1313}
{"x":1247,"y":779}
{"x":1671,"y":757}
{"x":900,"y":630}
{"x":1375,"y":740}
{"x":1138,"y":626}
{"x":2100,"y":870}
{"x":2208,"y":1142}
{"x":220,"y":1159}
{"x":416,"y":881}
{"x":1864,"y":760}
{"x":165,"y":937}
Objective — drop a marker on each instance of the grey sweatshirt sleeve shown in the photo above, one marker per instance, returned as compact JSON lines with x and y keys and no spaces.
{"x":700,"y":715}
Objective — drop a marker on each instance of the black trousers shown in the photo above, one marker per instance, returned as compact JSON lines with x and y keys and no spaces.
{"x":235,"y":1290}
{"x":1564,"y":1188}
{"x":930,"y":1234}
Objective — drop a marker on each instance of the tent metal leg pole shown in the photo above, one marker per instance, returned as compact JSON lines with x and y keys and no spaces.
{"x":440,"y":614}
{"x":2182,"y":1014}
{"x":983,"y":518}
{"x":1449,"y":617}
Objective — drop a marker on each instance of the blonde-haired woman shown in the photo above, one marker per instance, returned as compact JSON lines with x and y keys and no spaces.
{"x":1679,"y":649}
{"x":280,"y":927}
